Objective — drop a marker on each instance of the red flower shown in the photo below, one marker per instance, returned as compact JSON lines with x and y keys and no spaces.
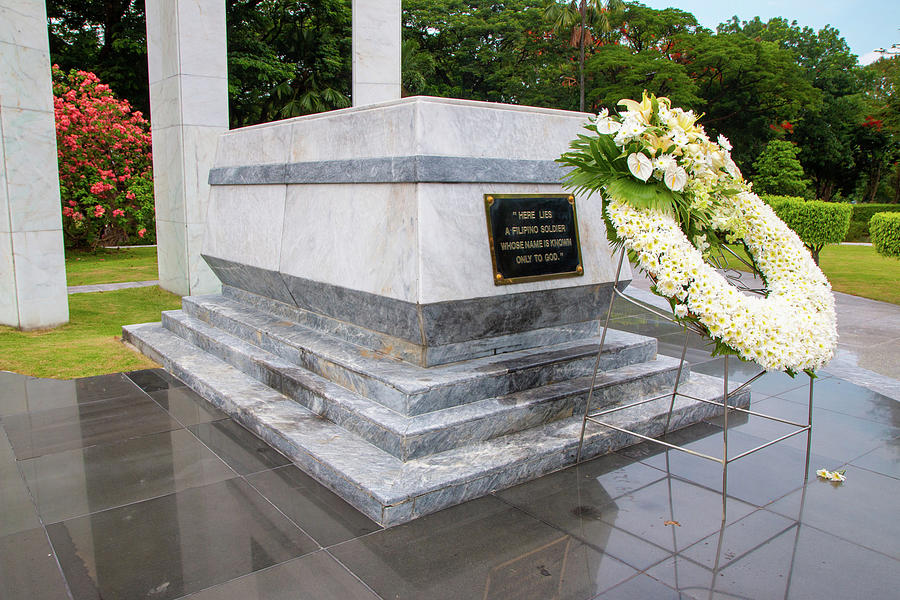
{"x":99,"y":211}
{"x":142,"y":231}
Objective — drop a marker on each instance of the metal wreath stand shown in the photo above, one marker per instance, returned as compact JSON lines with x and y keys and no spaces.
{"x":734,"y":276}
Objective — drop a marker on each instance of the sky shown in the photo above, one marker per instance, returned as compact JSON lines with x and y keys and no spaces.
{"x":866,"y":25}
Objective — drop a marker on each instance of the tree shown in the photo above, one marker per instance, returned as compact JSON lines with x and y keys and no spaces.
{"x":825,"y":131}
{"x":287,"y":58}
{"x":885,"y":230}
{"x":616,"y":72}
{"x":489,"y":50}
{"x":577,"y":17}
{"x":108,"y":38}
{"x":817,"y":223}
{"x":104,"y":163}
{"x":746,"y":85}
{"x":778,"y":171}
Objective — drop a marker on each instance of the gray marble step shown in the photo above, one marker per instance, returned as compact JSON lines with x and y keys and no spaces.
{"x":407,"y":388}
{"x":388,"y":490}
{"x":408,"y":437}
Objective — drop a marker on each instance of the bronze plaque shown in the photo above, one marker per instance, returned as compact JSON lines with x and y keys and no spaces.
{"x":532,"y":237}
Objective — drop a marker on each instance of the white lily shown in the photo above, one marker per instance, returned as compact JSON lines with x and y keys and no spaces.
{"x":640,"y":166}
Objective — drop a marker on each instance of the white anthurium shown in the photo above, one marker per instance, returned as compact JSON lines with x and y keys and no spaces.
{"x":607,"y":126}
{"x":640,"y":166}
{"x":675,"y":179}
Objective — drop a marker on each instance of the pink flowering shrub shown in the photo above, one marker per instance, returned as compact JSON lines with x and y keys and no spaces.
{"x":105,"y":166}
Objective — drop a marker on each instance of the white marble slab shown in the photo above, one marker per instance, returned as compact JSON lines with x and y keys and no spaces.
{"x":168,"y":173}
{"x":25,"y":78}
{"x":376,"y":51}
{"x":9,"y":307}
{"x":361,"y":236}
{"x":40,"y":278}
{"x":247,"y":225}
{"x":412,"y":126}
{"x":23,"y":23}
{"x":171,"y":253}
{"x":264,"y":144}
{"x":189,"y":101}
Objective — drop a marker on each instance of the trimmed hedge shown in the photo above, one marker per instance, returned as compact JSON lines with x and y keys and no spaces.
{"x":862,"y":214}
{"x":885,"y":230}
{"x":816,"y":222}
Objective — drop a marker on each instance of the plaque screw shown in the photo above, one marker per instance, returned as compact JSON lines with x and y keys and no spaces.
{"x":571,"y":199}
{"x":498,"y":276}
{"x":490,"y":200}
{"x":579,"y":270}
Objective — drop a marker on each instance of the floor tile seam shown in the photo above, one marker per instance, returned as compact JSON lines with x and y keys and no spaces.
{"x":684,"y":479}
{"x":115,"y":441}
{"x":76,"y":405}
{"x":583,"y":539}
{"x":219,"y":456}
{"x":827,"y":410}
{"x":56,"y":561}
{"x":834,"y":535}
{"x":793,"y":523}
{"x":350,"y":571}
{"x":850,"y":464}
{"x":43,"y":527}
{"x":134,"y":502}
{"x":169,"y":383}
{"x":281,"y":512}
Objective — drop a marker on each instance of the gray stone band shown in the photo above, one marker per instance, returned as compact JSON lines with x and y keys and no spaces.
{"x":394,"y":169}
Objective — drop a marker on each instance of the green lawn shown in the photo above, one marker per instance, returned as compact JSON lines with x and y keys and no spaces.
{"x":111,"y":266}
{"x":90,"y":344}
{"x":860,"y":271}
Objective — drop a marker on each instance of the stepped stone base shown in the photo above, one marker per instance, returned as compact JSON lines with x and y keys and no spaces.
{"x":397,"y":440}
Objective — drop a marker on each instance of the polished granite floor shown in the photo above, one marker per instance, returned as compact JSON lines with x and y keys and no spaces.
{"x":132,"y":486}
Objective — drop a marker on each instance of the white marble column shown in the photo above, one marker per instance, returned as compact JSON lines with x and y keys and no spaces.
{"x":32,"y":262}
{"x":186,"y":53}
{"x":376,"y":51}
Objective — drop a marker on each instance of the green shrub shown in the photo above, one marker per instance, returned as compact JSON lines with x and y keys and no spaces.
{"x":858,"y":232}
{"x":864,"y":212}
{"x":816,"y":222}
{"x":885,"y":230}
{"x":778,"y":170}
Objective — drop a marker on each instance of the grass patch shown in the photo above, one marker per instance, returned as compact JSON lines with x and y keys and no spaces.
{"x":90,"y":344}
{"x":857,"y":270}
{"x":110,"y":265}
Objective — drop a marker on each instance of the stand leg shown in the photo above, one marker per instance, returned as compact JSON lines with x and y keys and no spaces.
{"x":587,"y":404}
{"x":725,"y":439}
{"x":677,"y":381}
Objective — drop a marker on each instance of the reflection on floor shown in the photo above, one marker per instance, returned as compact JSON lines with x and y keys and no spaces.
{"x":132,"y":486}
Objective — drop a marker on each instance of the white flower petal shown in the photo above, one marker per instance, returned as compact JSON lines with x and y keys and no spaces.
{"x":640,"y":166}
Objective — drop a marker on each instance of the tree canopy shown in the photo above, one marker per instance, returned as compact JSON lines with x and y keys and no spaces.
{"x":755,"y":81}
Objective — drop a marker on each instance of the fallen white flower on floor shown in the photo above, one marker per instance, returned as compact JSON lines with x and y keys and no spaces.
{"x":836,"y":476}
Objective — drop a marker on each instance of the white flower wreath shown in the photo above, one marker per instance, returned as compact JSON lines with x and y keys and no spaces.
{"x":670,"y":192}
